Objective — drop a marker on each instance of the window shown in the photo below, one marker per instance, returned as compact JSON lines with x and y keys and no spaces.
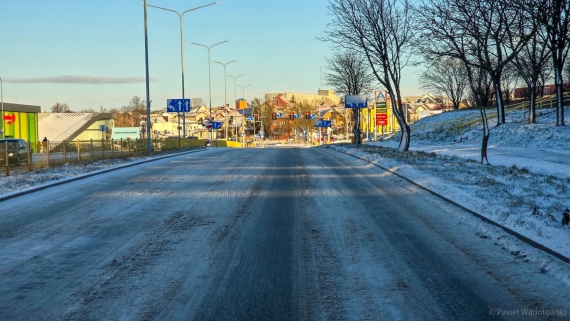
{"x":274,"y":123}
{"x":282,"y":123}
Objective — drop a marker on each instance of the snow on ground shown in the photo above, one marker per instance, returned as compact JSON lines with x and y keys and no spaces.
{"x":530,"y":169}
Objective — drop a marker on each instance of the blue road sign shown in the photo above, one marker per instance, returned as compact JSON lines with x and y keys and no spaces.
{"x":178,"y":105}
{"x":216,"y":125}
{"x":355,"y":101}
{"x":312,"y":116}
{"x":323,"y":123}
{"x":279,"y":115}
{"x":297,"y":116}
{"x":249,"y":118}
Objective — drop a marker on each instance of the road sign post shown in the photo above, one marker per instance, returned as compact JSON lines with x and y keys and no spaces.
{"x":178,"y":106}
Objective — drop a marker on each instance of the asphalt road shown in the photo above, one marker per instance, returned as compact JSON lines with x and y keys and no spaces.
{"x":255,"y":234}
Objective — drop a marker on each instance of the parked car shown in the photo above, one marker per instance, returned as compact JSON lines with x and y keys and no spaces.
{"x":208,"y":143}
{"x":18,"y":151}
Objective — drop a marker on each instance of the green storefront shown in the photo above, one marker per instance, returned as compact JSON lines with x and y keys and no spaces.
{"x":21,"y":121}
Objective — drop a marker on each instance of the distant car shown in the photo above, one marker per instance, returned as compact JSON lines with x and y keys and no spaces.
{"x":192,"y":137}
{"x":208,"y":143}
{"x":18,"y":151}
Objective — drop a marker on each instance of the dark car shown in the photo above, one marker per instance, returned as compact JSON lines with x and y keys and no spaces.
{"x":18,"y":151}
{"x":208,"y":143}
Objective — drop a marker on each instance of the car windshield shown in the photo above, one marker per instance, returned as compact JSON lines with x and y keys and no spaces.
{"x":11,"y":145}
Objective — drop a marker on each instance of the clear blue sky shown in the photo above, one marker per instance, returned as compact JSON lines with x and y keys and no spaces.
{"x":99,"y":46}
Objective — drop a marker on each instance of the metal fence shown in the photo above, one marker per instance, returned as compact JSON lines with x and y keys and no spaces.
{"x":52,"y":153}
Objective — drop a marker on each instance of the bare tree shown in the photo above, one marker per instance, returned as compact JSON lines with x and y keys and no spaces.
{"x":87,"y":110}
{"x":132,"y":114}
{"x":380,"y":30}
{"x":447,"y":76}
{"x":557,"y":23}
{"x":485,"y":34}
{"x":197,"y":103}
{"x":350,"y":75}
{"x":531,"y":63}
{"x":509,"y":79}
{"x":60,"y":108}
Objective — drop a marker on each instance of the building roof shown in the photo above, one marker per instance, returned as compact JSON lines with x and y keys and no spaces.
{"x":279,"y":101}
{"x":67,"y":126}
{"x":22,"y":108}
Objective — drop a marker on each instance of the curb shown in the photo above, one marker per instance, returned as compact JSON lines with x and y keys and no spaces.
{"x":479,"y":216}
{"x":76,"y":178}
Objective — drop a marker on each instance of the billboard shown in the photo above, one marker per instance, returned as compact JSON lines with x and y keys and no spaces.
{"x":125,"y":132}
{"x":355,"y":101}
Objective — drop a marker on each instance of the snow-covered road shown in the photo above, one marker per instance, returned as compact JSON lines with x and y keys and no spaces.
{"x":243,"y":234}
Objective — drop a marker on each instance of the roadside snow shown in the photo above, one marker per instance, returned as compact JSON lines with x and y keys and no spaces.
{"x":530,"y":170}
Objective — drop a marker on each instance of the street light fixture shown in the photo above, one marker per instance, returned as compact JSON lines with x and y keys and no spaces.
{"x":180,"y":15}
{"x":235,"y":98}
{"x":243,"y":90}
{"x":225,"y":90}
{"x":209,"y":74}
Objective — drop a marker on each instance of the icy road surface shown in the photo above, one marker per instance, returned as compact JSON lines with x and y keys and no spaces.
{"x":244,"y":234}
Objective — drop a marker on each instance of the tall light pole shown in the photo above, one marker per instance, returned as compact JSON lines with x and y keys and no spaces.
{"x":209,"y":75}
{"x":225,"y":94}
{"x":262,"y":100}
{"x":182,"y":56}
{"x":242,"y":96}
{"x":225,"y":89}
{"x":148,"y":142}
{"x":243,"y":90}
{"x":235,"y":98}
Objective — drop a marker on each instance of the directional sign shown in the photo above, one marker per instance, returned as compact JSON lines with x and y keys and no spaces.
{"x":250,"y":118}
{"x":322,"y":123}
{"x":381,"y":119}
{"x":355,"y":101}
{"x":178,"y":105}
{"x":216,"y":125}
{"x":297,"y":116}
{"x":279,"y":115}
{"x":313,"y":117}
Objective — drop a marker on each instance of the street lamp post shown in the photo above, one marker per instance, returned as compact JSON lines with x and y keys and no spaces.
{"x":209,"y":75}
{"x":242,"y":96}
{"x":148,"y":142}
{"x":225,"y":94}
{"x":261,"y":114}
{"x":225,"y":88}
{"x":243,"y":90}
{"x":180,"y":15}
{"x":235,"y":98}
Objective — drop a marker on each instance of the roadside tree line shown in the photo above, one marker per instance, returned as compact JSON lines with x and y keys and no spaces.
{"x":476,"y":48}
